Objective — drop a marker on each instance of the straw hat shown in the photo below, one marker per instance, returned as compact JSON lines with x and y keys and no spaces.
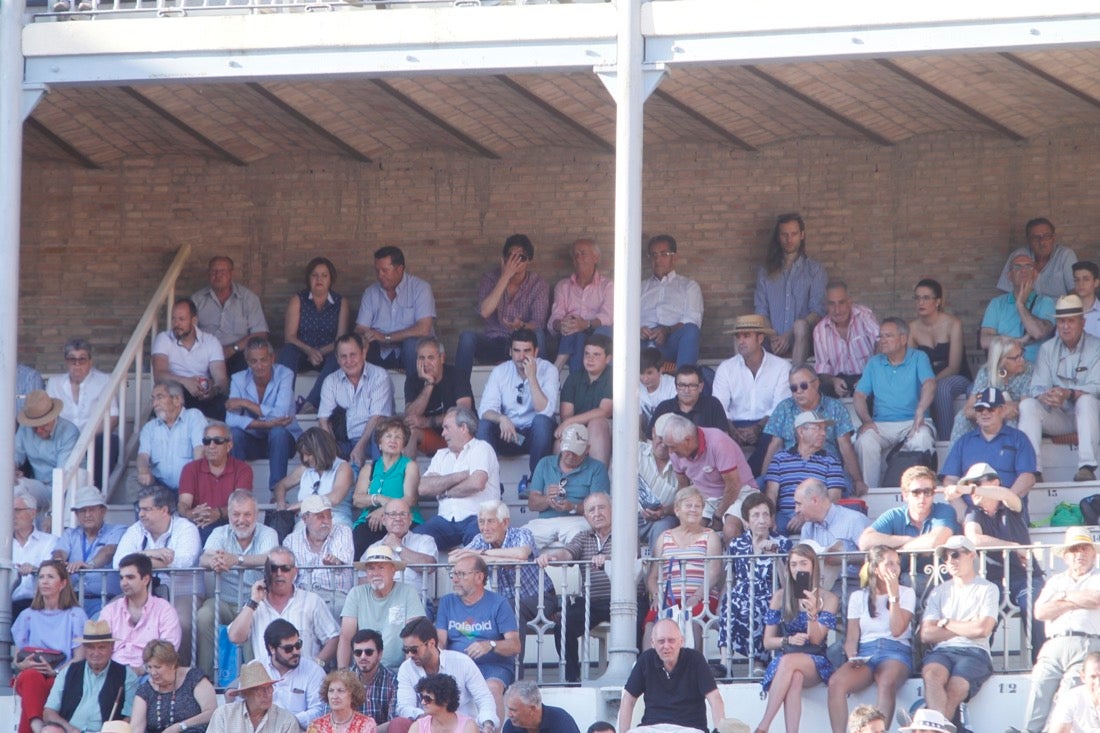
{"x":253,"y":675}
{"x":96,"y":632}
{"x":39,"y":409}
{"x":115,"y":726}
{"x":1075,"y":536}
{"x":928,"y":719}
{"x":752,"y":323}
{"x":379,"y":553}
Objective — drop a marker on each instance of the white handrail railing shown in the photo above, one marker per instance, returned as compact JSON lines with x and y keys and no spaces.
{"x":82,"y":462}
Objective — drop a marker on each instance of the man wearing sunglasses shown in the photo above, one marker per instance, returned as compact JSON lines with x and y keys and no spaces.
{"x":959,"y":617}
{"x":379,"y":682}
{"x":206,"y":483}
{"x":297,"y":679}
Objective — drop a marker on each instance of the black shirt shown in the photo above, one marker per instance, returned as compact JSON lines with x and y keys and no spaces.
{"x":708,"y":413}
{"x":445,"y":395}
{"x":679,"y":697}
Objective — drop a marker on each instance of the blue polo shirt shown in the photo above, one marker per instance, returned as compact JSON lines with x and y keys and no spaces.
{"x":896,"y":521}
{"x":1009,"y":452}
{"x":588,"y":478}
{"x":896,"y":387}
{"x":1001,"y":316}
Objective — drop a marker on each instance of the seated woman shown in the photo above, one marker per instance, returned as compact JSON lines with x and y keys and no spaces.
{"x":1007,"y":370}
{"x":174,"y":698}
{"x":344,"y":694}
{"x":939,"y":335}
{"x":743,"y":610}
{"x":687,"y":567}
{"x":438,"y":694}
{"x":798,"y":621}
{"x":878,"y":644}
{"x":315,"y":316}
{"x":53,"y":623}
{"x":393,"y":476}
{"x":321,"y":472}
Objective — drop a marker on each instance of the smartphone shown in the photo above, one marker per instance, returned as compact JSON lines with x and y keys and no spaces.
{"x":267,"y":576}
{"x":802,"y":582}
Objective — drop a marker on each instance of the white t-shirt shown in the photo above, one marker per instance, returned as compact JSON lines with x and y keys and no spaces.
{"x":873,"y":629}
{"x":976,"y":599}
{"x":648,"y":401}
{"x":193,"y":362}
{"x":1075,"y":708}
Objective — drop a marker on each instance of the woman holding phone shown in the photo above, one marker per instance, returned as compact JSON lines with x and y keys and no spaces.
{"x":878,"y":644}
{"x":800,"y":617}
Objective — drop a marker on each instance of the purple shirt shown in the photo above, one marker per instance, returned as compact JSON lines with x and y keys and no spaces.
{"x":717,"y":455}
{"x":589,"y":302}
{"x":530,"y":304}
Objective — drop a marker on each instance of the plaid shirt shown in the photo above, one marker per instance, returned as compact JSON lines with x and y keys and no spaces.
{"x":381,"y":702}
{"x":504,"y":576}
{"x":531,"y":303}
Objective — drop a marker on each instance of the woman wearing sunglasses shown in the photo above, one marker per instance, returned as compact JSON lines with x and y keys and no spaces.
{"x":174,"y":698}
{"x":438,"y":694}
{"x":344,"y":694}
{"x":322,"y":471}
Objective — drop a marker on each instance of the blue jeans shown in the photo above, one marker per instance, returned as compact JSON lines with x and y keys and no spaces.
{"x":449,"y":533}
{"x":682,"y":345}
{"x":573,"y":344}
{"x":295,"y":360}
{"x":276,"y":446}
{"x":474,"y":345}
{"x":538,"y":439}
{"x":404,"y":358}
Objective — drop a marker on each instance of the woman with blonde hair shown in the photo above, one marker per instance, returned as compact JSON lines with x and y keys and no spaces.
{"x":1007,"y":370}
{"x":878,"y":644}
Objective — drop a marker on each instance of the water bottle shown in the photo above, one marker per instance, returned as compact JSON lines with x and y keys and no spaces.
{"x":522,"y":488}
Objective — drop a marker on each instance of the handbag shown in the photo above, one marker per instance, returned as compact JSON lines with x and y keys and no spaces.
{"x":52,"y":657}
{"x":338,"y":421}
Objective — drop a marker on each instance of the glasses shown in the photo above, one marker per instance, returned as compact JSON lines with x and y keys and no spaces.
{"x":427,"y":699}
{"x":216,"y":441}
{"x":288,"y":648}
{"x":1041,"y":237}
{"x":24,"y":509}
{"x":1022,"y":266}
{"x":921,"y":492}
{"x":461,"y":573}
{"x":411,"y":649}
{"x":364,"y":652}
{"x":954,"y":554}
{"x":923,"y":298}
{"x":681,"y":385}
{"x":661,"y":255}
{"x":77,"y":359}
{"x":395,"y":515}
{"x":281,"y":568}
{"x":801,"y":386}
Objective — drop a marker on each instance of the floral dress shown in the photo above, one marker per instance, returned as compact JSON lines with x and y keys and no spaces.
{"x":753,"y":585}
{"x":798,"y":625}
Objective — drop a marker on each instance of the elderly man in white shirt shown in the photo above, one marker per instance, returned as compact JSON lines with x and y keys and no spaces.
{"x":460,"y":477}
{"x":672,"y":305}
{"x":81,"y":390}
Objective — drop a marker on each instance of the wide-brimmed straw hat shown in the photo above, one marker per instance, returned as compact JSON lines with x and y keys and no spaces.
{"x":39,"y":409}
{"x":752,"y":323}
{"x":96,"y":632}
{"x":379,"y":553}
{"x":1075,"y":536}
{"x":253,"y":675}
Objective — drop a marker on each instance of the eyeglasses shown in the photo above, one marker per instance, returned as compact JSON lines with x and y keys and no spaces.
{"x":1041,"y":237}
{"x":427,"y":699}
{"x":77,"y":359}
{"x":281,"y":568}
{"x":681,"y":385}
{"x":364,"y":652}
{"x":295,"y":647}
{"x":801,"y":386}
{"x":1022,"y":266}
{"x":921,"y":492}
{"x":395,"y":515}
{"x":461,"y":573}
{"x":655,"y":255}
{"x":216,"y":441}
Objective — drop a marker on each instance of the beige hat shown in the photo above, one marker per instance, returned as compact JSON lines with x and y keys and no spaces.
{"x":379,"y":553}
{"x":87,"y":496}
{"x":253,"y":675}
{"x":752,"y":323}
{"x":732,"y":725}
{"x":1075,"y":536}
{"x":39,"y":409}
{"x":96,"y":632}
{"x":315,"y":504}
{"x":575,"y":439}
{"x":1069,"y":306}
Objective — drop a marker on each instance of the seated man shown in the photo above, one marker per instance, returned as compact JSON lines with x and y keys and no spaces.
{"x":509,"y":298}
{"x":559,"y":486}
{"x":318,"y":541}
{"x":155,"y":617}
{"x":586,"y":398}
{"x":583,"y":305}
{"x":750,"y":385}
{"x":903,"y":385}
{"x":806,"y":395}
{"x":843,"y":341}
{"x":354,"y":399}
{"x":657,"y":487}
{"x":411,"y":547}
{"x":835,"y":528}
{"x":656,"y":387}
{"x":1053,"y":262}
{"x":379,"y":681}
{"x":672,"y":306}
{"x":959,"y":616}
{"x":690,"y":402}
{"x":593,"y":548}
{"x":1079,"y":704}
{"x":523,"y":705}
{"x":194,"y":358}
{"x":255,"y":710}
{"x":996,"y":443}
{"x":519,"y":402}
{"x":88,"y":546}
{"x":171,"y":440}
{"x":395,"y":313}
{"x":461,"y":476}
{"x":30,"y":548}
{"x":435,"y":388}
{"x":481,"y":624}
{"x":1086,"y":279}
{"x":27,"y":380}
{"x":382,"y":603}
{"x":81,"y":390}
{"x":99,"y":689}
{"x":297,"y":677}
{"x":1065,"y":389}
{"x":275,"y":596}
{"x":709,"y":459}
{"x":235,"y":552}
{"x":790,"y":289}
{"x":676,"y":682}
{"x":260,"y":410}
{"x":44,"y":440}
{"x":807,"y":460}
{"x":206,"y":483}
{"x":1023,"y":313}
{"x":169,"y":542}
{"x":229,"y":312}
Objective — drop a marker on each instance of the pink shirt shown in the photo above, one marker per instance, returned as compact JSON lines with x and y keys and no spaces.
{"x":591,"y":301}
{"x":835,"y":355}
{"x":158,"y":621}
{"x":717,"y":455}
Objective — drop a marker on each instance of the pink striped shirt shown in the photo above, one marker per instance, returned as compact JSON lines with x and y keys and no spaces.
{"x":835,"y":355}
{"x":592,"y":301}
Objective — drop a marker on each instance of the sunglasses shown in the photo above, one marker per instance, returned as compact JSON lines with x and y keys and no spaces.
{"x":411,"y":649}
{"x":295,"y":647}
{"x":922,"y":492}
{"x":281,"y":568}
{"x":519,"y":393}
{"x":427,"y":699}
{"x":364,"y":652}
{"x":800,"y":387}
{"x":215,"y":441}
{"x":954,"y":554}
{"x":982,"y":408}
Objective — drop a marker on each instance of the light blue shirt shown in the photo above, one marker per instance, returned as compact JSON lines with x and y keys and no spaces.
{"x":1001,"y":316}
{"x":278,"y":400}
{"x":414,"y":301}
{"x":841,"y":524}
{"x":74,"y":543}
{"x":264,"y":539}
{"x":171,"y":448}
{"x":506,"y":393}
{"x":896,"y":387}
{"x":790,"y":294}
{"x":46,"y":454}
{"x":87,"y":716}
{"x":1058,"y":366}
{"x":372,"y":396}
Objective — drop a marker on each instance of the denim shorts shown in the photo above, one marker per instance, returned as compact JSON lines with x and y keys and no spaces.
{"x":881,"y":650}
{"x":973,"y":665}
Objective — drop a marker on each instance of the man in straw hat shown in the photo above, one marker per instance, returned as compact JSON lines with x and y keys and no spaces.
{"x":382,"y":604}
{"x":1068,"y":604}
{"x":254,"y":707}
{"x":929,"y":721}
{"x":44,"y":439}
{"x":1065,"y":388}
{"x":750,"y":385}
{"x":94,"y":690}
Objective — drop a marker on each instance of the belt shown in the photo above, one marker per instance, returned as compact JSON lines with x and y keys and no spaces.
{"x":1080,"y":634}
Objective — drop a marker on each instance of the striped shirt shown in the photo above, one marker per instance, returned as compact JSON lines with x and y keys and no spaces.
{"x":835,"y":354}
{"x":584,"y":547}
{"x":372,"y":396}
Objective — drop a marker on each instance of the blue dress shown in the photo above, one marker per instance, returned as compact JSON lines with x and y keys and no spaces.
{"x":757,"y":574}
{"x":798,"y":625}
{"x":318,"y":327}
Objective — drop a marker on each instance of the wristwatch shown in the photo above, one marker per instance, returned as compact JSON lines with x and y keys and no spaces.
{"x":398,"y":550}
{"x":943,"y":623}
{"x":240,"y":559}
{"x":493,"y":645}
{"x":387,"y":338}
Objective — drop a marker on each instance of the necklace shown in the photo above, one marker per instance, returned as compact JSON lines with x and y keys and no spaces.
{"x":171,"y":704}
{"x":345,"y":723}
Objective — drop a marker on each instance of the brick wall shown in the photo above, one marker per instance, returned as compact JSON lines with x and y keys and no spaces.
{"x":96,"y":242}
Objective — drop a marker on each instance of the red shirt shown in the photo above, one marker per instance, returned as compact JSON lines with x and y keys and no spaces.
{"x":214,"y":491}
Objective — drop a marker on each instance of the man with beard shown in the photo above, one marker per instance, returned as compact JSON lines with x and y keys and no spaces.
{"x":235,"y":552}
{"x":297,"y":680}
{"x":379,"y":682}
{"x":413,"y":548}
{"x":381,"y":604}
{"x":318,"y":541}
{"x":193,"y":358}
{"x":171,"y":440}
